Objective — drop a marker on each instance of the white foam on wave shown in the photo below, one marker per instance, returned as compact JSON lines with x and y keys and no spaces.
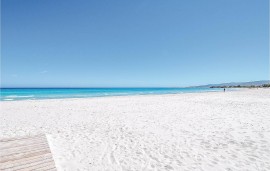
{"x":16,"y":96}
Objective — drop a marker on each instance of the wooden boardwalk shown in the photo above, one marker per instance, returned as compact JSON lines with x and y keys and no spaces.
{"x":26,"y":153}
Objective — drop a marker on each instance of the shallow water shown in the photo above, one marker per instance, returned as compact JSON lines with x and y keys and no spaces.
{"x":10,"y":94}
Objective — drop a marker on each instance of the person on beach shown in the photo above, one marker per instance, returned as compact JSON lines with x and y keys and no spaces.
{"x":224,"y":90}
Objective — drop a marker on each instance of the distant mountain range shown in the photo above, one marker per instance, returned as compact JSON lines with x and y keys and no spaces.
{"x":251,"y":83}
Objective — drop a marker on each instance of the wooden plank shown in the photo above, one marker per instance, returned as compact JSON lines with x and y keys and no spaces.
{"x":23,"y":138}
{"x":22,"y":141}
{"x":26,"y":153}
{"x":14,"y":163}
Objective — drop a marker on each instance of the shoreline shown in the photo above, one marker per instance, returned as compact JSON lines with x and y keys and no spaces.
{"x":131,"y":95}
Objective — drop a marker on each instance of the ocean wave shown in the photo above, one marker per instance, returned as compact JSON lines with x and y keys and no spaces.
{"x":16,"y":96}
{"x":26,"y":94}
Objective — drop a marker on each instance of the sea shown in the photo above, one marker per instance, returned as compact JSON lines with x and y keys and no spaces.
{"x":14,"y":94}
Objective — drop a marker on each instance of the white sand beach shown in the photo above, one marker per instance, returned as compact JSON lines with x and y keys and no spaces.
{"x":212,"y":131}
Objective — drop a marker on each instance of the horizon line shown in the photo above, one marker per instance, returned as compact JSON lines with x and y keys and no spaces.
{"x":93,"y":87}
{"x":189,"y":86}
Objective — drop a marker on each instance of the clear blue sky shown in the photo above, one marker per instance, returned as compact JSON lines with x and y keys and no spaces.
{"x":123,"y":43}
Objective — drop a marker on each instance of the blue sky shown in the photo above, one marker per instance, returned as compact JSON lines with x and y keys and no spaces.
{"x":142,"y":43}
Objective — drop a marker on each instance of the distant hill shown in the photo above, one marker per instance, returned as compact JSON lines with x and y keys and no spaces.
{"x":251,"y":83}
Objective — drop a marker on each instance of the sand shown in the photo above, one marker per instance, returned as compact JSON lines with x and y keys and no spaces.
{"x":196,"y":131}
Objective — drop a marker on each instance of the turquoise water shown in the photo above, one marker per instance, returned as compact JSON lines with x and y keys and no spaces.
{"x":11,"y":94}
